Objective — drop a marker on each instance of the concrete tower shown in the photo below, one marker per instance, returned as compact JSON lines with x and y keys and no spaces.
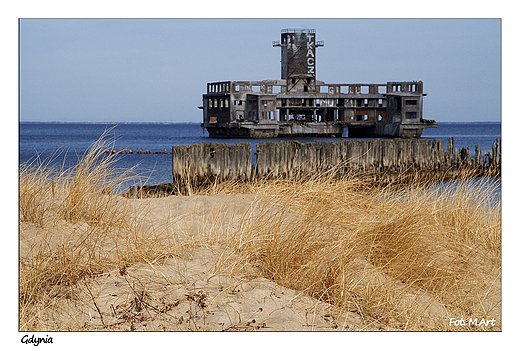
{"x":299,"y":59}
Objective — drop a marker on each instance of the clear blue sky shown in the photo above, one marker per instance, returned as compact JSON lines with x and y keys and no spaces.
{"x":156,"y":70}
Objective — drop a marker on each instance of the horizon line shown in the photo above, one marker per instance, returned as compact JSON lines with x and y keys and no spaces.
{"x":84,"y":122}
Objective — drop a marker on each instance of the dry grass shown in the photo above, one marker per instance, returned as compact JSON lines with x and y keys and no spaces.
{"x":83,"y":229}
{"x":409,"y":257}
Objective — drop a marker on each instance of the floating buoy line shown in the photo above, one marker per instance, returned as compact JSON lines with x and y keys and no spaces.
{"x":138,"y":152}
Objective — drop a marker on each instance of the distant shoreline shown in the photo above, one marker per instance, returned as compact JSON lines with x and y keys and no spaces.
{"x":198,"y":123}
{"x":115,"y":123}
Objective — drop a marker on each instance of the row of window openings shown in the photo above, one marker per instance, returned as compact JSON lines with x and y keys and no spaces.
{"x":224,"y":103}
{"x":365,"y":117}
{"x":324,"y":89}
{"x":413,"y":88}
{"x":344,"y":89}
{"x":359,"y":102}
{"x":365,"y":89}
{"x":270,"y":115}
{"x":303,"y":102}
{"x":257,"y":88}
{"x":218,"y":88}
{"x":408,"y":115}
{"x":216,"y":103}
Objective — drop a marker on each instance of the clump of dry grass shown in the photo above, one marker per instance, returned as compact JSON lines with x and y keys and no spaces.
{"x":36,"y":184}
{"x":83,"y":228}
{"x":409,"y":257}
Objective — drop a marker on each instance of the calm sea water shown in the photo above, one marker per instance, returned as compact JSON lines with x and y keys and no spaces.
{"x":71,"y":140}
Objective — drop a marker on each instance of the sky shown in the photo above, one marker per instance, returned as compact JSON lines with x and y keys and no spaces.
{"x":156,"y":70}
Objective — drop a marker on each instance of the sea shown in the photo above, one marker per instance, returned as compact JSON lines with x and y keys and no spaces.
{"x":64,"y":143}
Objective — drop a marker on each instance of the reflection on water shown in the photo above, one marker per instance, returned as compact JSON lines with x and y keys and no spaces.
{"x":483,"y":190}
{"x":490,"y":187}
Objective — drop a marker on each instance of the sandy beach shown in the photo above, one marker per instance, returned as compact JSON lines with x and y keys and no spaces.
{"x":192,"y":282}
{"x":187,"y":289}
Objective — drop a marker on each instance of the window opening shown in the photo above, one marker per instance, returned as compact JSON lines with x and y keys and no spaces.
{"x":398,"y":104}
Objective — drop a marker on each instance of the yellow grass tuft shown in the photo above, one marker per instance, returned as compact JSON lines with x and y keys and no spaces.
{"x":83,"y":228}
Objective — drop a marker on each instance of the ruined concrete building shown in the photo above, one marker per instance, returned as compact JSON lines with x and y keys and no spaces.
{"x":299,"y":105}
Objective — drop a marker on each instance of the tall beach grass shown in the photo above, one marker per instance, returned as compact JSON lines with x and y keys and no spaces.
{"x":80,"y":226}
{"x":411,"y":257}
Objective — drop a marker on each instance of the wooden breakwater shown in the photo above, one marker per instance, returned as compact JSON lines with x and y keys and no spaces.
{"x":196,"y":164}
{"x":386,"y":160}
{"x":382,"y":160}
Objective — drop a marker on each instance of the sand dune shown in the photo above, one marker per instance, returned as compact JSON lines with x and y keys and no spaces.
{"x":193,"y":282}
{"x":184,"y":291}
